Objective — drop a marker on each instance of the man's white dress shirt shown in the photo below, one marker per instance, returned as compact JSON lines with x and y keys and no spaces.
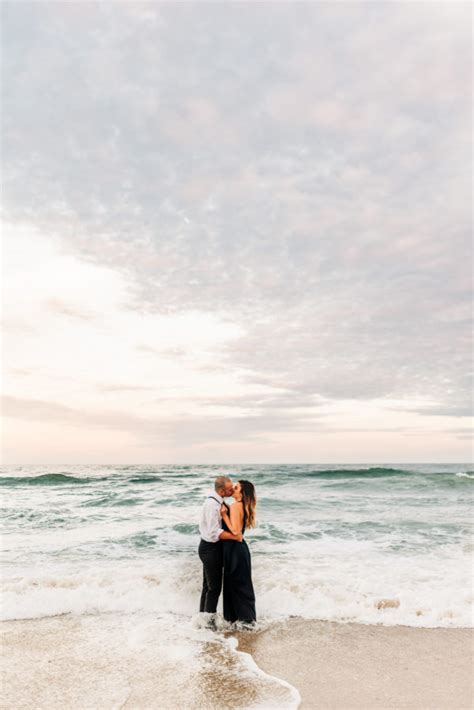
{"x":210,"y":525}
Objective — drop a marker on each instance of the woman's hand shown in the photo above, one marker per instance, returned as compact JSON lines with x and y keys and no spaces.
{"x":224,"y":510}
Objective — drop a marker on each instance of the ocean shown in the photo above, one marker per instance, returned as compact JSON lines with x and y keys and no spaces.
{"x":373,"y":544}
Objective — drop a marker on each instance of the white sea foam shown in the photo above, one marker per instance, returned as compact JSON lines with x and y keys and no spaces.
{"x":318,"y":579}
{"x":295,"y":697}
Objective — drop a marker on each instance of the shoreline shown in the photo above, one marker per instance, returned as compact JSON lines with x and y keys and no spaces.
{"x":123,"y":661}
{"x":351,"y":666}
{"x":127,"y":661}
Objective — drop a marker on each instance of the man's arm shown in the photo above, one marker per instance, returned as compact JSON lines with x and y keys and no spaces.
{"x":228,"y":536}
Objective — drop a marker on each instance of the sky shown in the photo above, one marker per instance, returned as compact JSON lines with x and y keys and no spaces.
{"x":236,"y":232}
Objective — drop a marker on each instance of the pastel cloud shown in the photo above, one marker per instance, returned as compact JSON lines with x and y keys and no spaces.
{"x":279,"y":193}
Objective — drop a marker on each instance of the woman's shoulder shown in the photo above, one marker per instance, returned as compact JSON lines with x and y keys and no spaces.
{"x":237,"y":505}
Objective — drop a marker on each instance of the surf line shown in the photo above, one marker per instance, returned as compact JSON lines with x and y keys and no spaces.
{"x":247,"y":659}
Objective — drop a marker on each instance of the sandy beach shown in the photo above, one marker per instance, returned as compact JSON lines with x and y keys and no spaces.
{"x":119,"y":661}
{"x":348,"y":666}
{"x":127,"y":662}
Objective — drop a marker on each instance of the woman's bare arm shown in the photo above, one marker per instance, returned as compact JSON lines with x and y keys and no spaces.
{"x":236,"y":518}
{"x":226,"y":519}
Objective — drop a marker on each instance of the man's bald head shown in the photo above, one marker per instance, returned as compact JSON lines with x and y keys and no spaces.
{"x":223,"y":486}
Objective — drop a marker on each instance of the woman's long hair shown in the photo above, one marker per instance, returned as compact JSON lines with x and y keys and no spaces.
{"x":249,"y":501}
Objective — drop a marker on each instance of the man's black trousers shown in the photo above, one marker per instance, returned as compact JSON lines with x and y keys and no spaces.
{"x":210,"y":554}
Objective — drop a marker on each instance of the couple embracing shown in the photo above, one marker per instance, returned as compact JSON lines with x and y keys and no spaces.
{"x":224,"y":553}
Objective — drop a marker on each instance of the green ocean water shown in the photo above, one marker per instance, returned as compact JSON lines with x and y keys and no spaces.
{"x":331,"y":541}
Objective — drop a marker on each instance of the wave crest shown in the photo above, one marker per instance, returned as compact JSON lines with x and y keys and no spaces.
{"x":46,"y":479}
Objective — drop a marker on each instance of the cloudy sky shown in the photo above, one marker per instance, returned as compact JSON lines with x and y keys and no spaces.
{"x":236,"y":232}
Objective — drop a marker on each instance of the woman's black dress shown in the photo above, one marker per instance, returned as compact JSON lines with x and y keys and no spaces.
{"x":239,"y":596}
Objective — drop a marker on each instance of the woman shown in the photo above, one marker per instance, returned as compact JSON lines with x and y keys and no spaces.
{"x":239,"y":596}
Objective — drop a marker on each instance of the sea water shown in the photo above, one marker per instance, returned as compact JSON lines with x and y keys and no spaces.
{"x":374,"y":544}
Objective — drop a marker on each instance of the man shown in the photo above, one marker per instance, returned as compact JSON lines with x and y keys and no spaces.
{"x":210,"y":547}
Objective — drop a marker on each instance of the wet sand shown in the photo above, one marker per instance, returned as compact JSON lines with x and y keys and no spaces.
{"x":114,"y":661}
{"x":125,"y":662}
{"x":352,"y":666}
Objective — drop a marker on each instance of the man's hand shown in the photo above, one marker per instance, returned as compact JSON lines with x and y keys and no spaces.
{"x":239,"y":537}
